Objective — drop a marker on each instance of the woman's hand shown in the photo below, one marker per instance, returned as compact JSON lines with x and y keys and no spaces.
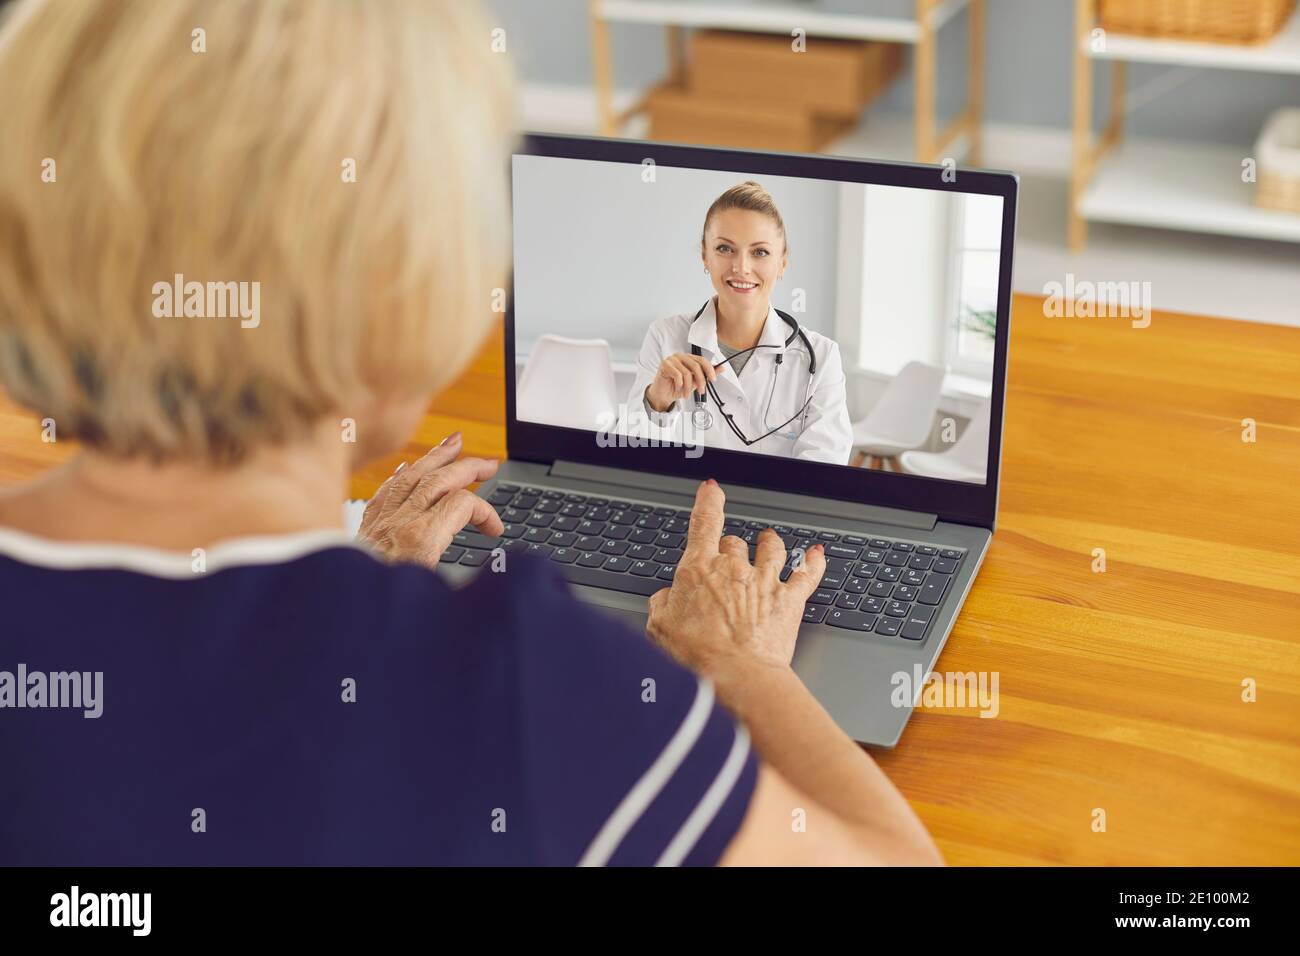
{"x":418,"y":510}
{"x":722,"y":612}
{"x":678,"y":376}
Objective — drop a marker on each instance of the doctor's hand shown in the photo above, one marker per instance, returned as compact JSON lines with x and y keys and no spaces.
{"x":420,"y":508}
{"x":678,"y":376}
{"x":722,"y":614}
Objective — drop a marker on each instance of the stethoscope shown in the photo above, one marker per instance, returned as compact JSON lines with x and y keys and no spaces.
{"x":702,"y":418}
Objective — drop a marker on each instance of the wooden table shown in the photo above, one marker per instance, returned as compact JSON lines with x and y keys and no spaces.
{"x":1120,"y":690}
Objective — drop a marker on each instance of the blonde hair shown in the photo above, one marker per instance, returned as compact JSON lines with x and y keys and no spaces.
{"x":213,"y":139}
{"x":751,"y":196}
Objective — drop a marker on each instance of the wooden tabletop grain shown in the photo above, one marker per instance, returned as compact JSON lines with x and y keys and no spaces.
{"x":1121,"y":692}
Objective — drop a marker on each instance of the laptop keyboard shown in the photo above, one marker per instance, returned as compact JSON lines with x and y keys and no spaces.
{"x":872,"y":585}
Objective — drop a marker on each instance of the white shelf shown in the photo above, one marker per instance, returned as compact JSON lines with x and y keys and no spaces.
{"x":1279,"y":55}
{"x":893,"y":21}
{"x":1190,"y":186}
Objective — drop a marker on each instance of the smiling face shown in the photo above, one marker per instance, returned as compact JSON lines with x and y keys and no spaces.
{"x":744,"y":252}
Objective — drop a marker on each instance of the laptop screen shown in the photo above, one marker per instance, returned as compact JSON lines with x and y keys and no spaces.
{"x":688,"y":309}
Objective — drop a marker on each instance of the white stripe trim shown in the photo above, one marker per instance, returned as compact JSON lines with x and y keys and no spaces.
{"x":709,"y":804}
{"x":652,"y":782}
{"x":83,"y":555}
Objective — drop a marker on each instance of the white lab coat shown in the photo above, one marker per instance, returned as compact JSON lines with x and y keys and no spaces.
{"x":822,"y":433}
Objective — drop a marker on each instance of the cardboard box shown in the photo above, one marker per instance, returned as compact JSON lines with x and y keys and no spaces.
{"x":835,"y":78}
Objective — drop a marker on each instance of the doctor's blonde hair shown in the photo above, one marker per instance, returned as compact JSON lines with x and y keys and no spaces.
{"x":750,"y":196}
{"x":349,"y":156}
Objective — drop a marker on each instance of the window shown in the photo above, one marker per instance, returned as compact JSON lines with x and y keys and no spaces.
{"x":977,"y":235}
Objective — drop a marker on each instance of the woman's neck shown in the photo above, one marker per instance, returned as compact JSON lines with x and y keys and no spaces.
{"x":740,"y":330}
{"x":179,"y":507}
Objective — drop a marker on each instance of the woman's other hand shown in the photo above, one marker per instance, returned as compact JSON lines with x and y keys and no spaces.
{"x":678,"y":376}
{"x":419,"y":509}
{"x":723,"y":613}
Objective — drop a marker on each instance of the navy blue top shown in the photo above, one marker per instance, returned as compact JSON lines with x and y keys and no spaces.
{"x":501,"y":723}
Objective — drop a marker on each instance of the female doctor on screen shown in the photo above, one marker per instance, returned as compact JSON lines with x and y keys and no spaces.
{"x":745,"y":375}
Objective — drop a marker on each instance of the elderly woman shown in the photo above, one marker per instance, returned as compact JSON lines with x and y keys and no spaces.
{"x":237,"y":236}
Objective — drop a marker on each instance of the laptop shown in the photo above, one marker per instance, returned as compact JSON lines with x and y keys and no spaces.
{"x":898,"y":273}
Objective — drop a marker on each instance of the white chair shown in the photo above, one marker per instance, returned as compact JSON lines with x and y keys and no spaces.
{"x":568,"y":382}
{"x":967,"y":460}
{"x":903,"y":416}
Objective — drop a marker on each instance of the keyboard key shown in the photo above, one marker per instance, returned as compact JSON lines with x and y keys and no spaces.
{"x":756,"y":525}
{"x":855,"y":539}
{"x":540,"y":535}
{"x":543,"y":549}
{"x":848,"y":600}
{"x":822,"y":597}
{"x":530,"y":490}
{"x":642,"y":509}
{"x":573,"y":496}
{"x":564,"y":555}
{"x":562,"y":539}
{"x":927,"y":549}
{"x":676,"y":526}
{"x":886,"y":573}
{"x":510,"y":488}
{"x":668,"y":555}
{"x":666,"y":539}
{"x":564,"y":524}
{"x":665,"y":512}
{"x":896,"y":609}
{"x":642,"y":536}
{"x":880,"y":543}
{"x":623,"y":518}
{"x":617,"y":563}
{"x":548,"y":506}
{"x":851,"y":620}
{"x":896,"y":559}
{"x":598,"y":501}
{"x":474,"y":558}
{"x":552,"y":493}
{"x":574,"y":511}
{"x":903,"y":546}
{"x":641,"y":552}
{"x":645,"y":569}
{"x":539,"y":520}
{"x":913,"y":578}
{"x":598,"y":514}
{"x":614,"y":547}
{"x":933,"y":589}
{"x":515,"y":515}
{"x":842,"y":551}
{"x":452,"y":555}
{"x":904,"y":592}
{"x":805,"y":533}
{"x":591,"y":559}
{"x":881,"y":589}
{"x":944,"y":566}
{"x":857,"y":585}
{"x":951,"y":554}
{"x":666,"y":572}
{"x":838,"y":566}
{"x":813,"y":613}
{"x":600,"y":578}
{"x":733,"y":523}
{"x":831,"y":582}
{"x":589,"y":542}
{"x":472,"y":539}
{"x":526,"y":502}
{"x":871,"y":605}
{"x":920,"y":562}
{"x":653,"y":522}
{"x":865,"y":570}
{"x":917,"y":623}
{"x":874,"y":555}
{"x":889,"y":626}
{"x":829,"y":536}
{"x":499,"y":497}
{"x":619,"y":504}
{"x":618,"y":532}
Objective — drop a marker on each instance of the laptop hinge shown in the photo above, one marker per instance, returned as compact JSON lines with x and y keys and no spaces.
{"x":829,"y":508}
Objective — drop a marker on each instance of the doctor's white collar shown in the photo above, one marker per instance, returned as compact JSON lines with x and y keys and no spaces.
{"x":704,"y":330}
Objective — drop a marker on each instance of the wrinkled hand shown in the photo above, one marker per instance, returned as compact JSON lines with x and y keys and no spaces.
{"x":721,"y":610}
{"x":419,"y":509}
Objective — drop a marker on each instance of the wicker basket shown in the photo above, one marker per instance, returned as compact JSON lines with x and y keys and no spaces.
{"x":1277,"y":152}
{"x":1209,"y":21}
